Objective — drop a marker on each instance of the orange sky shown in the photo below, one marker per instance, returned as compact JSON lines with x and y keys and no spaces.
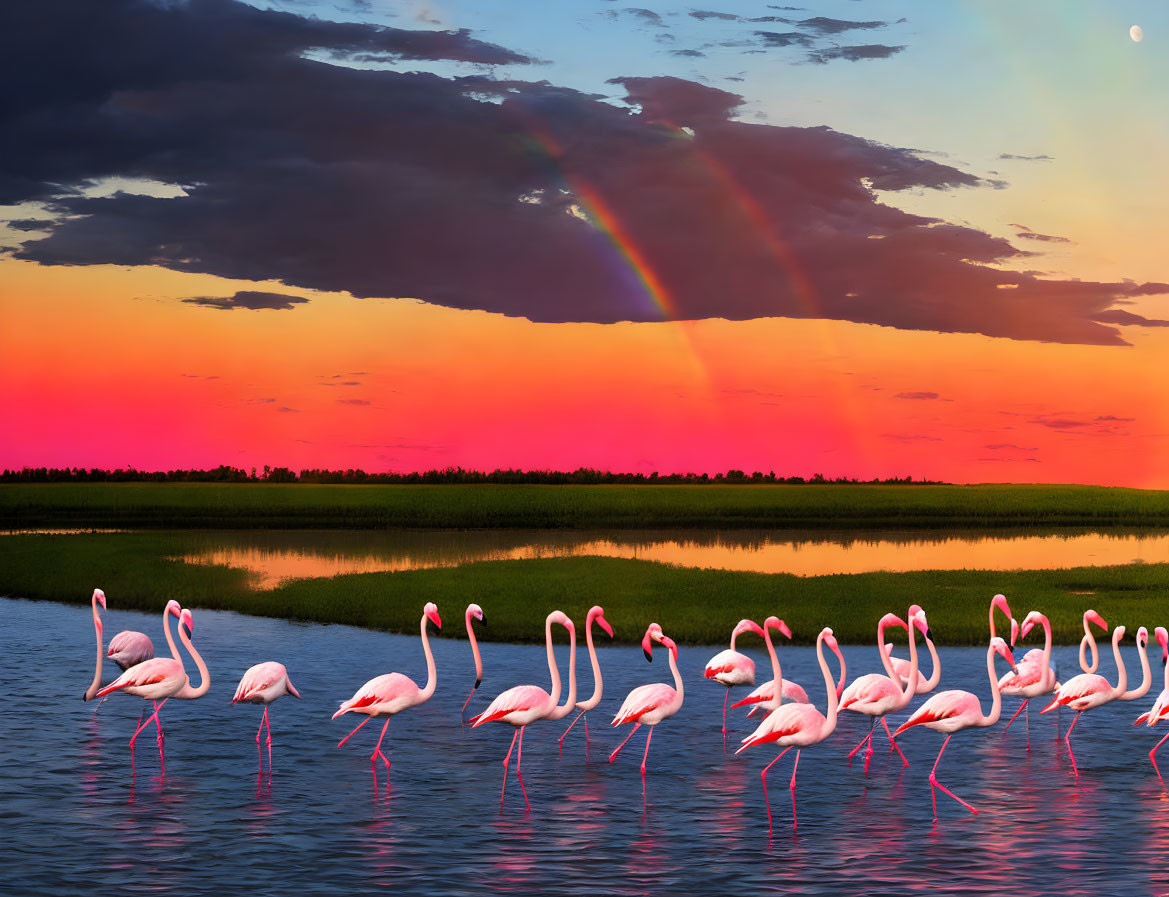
{"x":101,"y":367}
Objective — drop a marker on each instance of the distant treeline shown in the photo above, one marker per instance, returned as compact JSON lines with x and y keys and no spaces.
{"x":583,"y":476}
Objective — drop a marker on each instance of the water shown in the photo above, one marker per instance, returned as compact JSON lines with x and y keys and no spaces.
{"x":74,"y":818}
{"x":275,"y":557}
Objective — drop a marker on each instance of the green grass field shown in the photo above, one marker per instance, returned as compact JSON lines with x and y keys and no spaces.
{"x":236,"y":506}
{"x":694,"y":606}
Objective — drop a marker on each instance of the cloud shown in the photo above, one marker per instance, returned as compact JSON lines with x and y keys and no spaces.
{"x":253,"y":300}
{"x":854,"y":54}
{"x":917,"y":395}
{"x":784,"y":38}
{"x":352,"y":402}
{"x":474,"y":192}
{"x":1007,"y":446}
{"x":704,"y":14}
{"x":694,"y":53}
{"x":823,"y":25}
{"x":1012,"y":156}
{"x":286,"y":410}
{"x":1128,"y":318}
{"x":1027,"y":234}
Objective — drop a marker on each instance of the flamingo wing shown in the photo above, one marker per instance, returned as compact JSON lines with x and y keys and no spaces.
{"x":518,"y":699}
{"x":388,"y":689}
{"x":150,"y":672}
{"x":945,"y":705}
{"x":129,"y":648}
{"x":785,"y":721}
{"x":868,"y":689}
{"x":1084,"y":685}
{"x":259,"y":679}
{"x":642,"y":700}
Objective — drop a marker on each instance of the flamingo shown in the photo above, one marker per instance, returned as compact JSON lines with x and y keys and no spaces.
{"x":474,"y":612}
{"x":1035,"y":676}
{"x":876,"y":695}
{"x":1088,"y":642}
{"x":763,"y":698}
{"x":1160,"y":708}
{"x":1146,"y":676}
{"x":652,"y":703}
{"x":128,"y":648}
{"x":730,"y":668}
{"x":798,"y":725}
{"x":1088,"y":690}
{"x":263,"y":684}
{"x":954,"y":710}
{"x":524,"y":704}
{"x":162,"y":678}
{"x":390,"y":693}
{"x":596,"y":614}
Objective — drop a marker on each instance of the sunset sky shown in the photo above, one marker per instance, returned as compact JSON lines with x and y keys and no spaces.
{"x":858,"y":238}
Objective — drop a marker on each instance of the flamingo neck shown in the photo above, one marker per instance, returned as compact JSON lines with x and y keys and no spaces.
{"x":1046,"y":640}
{"x":829,"y":685}
{"x":910,"y":687}
{"x":1088,"y":642}
{"x":174,"y":651}
{"x":1146,"y":676}
{"x":474,"y":648}
{"x":1121,"y":673}
{"x":431,"y":674}
{"x":734,"y":635}
{"x":996,"y":704}
{"x":935,"y":668}
{"x":97,"y":628}
{"x":555,"y":693}
{"x":776,"y":674}
{"x":678,"y":692}
{"x":570,"y":700}
{"x":186,"y":692}
{"x":595,"y":698}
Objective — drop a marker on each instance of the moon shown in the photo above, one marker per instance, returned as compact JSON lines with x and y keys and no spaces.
{"x":1136,"y":33}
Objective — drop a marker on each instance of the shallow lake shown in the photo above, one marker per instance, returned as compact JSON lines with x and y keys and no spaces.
{"x":74,"y":818}
{"x":275,"y":557}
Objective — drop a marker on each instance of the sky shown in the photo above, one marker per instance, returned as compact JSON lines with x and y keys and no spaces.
{"x":859,"y":238}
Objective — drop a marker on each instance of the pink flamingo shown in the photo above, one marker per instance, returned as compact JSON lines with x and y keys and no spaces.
{"x":474,"y":612}
{"x":162,"y":678}
{"x":763,"y":698}
{"x":263,"y":684}
{"x":1160,"y":708}
{"x":797,"y":725}
{"x":1088,"y":642}
{"x":652,"y":703}
{"x":731,"y":668}
{"x":1088,"y":690}
{"x":876,"y":694}
{"x":522,"y":705}
{"x":1146,"y":675}
{"x":128,"y":648}
{"x":596,"y":614}
{"x":383,"y":696}
{"x":1035,"y":676}
{"x":954,"y":710}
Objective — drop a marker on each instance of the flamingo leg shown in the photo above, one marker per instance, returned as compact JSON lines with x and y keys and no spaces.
{"x":935,"y":783}
{"x":1068,"y":740}
{"x":1017,"y":712}
{"x":645,"y":756}
{"x":725,"y":699}
{"x":377,"y":752}
{"x":613,"y":756}
{"x":792,"y":786}
{"x":893,"y":743}
{"x":268,"y":726}
{"x":514,"y":735}
{"x":763,"y":776}
{"x":1153,"y":759}
{"x":466,"y":702}
{"x":1027,"y":722}
{"x":160,"y":738}
{"x":354,"y":732}
{"x":570,"y":725}
{"x":586,"y":736}
{"x":141,"y":726}
{"x":259,"y":750}
{"x":852,"y":753}
{"x":519,"y":759}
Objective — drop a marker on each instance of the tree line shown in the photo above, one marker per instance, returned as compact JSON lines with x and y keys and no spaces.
{"x":582,"y":476}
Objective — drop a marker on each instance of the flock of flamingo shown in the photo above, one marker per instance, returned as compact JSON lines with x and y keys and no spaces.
{"x":789,"y":720}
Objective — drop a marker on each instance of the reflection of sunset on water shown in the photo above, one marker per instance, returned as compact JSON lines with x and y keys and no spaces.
{"x":824,"y":555}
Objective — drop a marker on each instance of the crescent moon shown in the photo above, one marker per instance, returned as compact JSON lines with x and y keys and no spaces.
{"x":1136,"y":33}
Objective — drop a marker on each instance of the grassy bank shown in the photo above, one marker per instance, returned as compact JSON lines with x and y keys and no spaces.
{"x":695,"y":606}
{"x":213,"y":506}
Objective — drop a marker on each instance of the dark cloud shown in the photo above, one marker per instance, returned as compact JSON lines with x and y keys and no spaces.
{"x":917,"y":395}
{"x":784,"y":38}
{"x":1007,"y":446}
{"x":822,"y":25}
{"x":1027,"y":234}
{"x":1113,"y":417}
{"x":353,"y":401}
{"x":286,"y":410}
{"x":694,"y":53}
{"x":28,"y":224}
{"x":1127,"y":318}
{"x":647,"y":15}
{"x":254,"y":300}
{"x":854,"y":54}
{"x":1026,"y":158}
{"x":472,"y":192}
{"x":704,"y":14}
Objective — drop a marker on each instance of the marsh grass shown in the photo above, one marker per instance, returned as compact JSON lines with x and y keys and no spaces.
{"x":277,"y":506}
{"x":693,"y":605}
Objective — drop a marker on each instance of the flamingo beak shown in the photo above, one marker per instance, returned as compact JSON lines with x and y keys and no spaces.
{"x":604,"y":624}
{"x":783,"y":627}
{"x":647,"y":648}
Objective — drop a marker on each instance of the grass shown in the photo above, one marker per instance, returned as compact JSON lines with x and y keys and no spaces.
{"x":694,"y":606}
{"x":236,"y":506}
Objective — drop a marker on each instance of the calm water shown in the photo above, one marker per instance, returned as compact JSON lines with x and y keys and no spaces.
{"x":74,"y":818}
{"x":275,"y":557}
